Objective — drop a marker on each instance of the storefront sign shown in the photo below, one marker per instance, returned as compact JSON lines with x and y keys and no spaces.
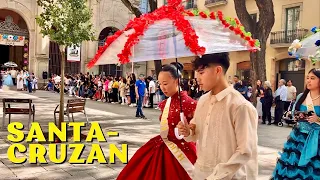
{"x":244,"y":65}
{"x":187,"y":66}
{"x":74,"y":53}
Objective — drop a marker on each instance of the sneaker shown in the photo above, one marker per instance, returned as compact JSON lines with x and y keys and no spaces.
{"x":137,"y":116}
{"x":143,"y":117}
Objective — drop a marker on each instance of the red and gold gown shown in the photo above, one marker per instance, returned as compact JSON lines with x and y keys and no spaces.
{"x":154,"y":160}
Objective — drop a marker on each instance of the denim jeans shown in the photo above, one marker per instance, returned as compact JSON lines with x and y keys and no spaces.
{"x":139,"y":106}
{"x":30,"y":87}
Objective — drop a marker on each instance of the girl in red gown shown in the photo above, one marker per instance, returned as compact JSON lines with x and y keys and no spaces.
{"x":165,"y":157}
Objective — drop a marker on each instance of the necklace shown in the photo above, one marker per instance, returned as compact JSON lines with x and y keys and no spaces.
{"x":313,"y":99}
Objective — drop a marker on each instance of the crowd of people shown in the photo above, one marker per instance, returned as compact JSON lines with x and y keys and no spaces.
{"x":19,"y":78}
{"x":122,"y":90}
{"x":283,"y":98}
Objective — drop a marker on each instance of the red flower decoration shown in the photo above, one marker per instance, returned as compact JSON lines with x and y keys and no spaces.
{"x":203,"y":15}
{"x":237,"y":31}
{"x":212,"y":15}
{"x":237,"y":21}
{"x":109,"y":40}
{"x":252,"y":43}
{"x":175,"y":12}
{"x":189,"y":13}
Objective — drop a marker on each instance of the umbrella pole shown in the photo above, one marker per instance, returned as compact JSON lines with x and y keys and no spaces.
{"x":179,"y":88}
{"x":176,"y":132}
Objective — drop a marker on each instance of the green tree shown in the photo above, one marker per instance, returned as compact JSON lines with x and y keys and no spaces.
{"x":66,"y":22}
{"x":260,"y":30}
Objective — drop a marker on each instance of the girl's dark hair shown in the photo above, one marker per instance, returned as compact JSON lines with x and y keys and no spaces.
{"x":306,"y":92}
{"x":174,"y":69}
{"x":133,"y":77}
{"x":124,"y":80}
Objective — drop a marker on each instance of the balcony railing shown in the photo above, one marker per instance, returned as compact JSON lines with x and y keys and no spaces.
{"x":211,"y":3}
{"x":287,"y":37}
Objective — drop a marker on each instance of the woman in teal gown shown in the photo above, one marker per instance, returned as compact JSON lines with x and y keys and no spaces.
{"x":300,"y":158}
{"x":8,"y":79}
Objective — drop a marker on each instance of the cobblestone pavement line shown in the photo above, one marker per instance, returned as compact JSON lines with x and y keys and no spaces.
{"x":134,"y":132}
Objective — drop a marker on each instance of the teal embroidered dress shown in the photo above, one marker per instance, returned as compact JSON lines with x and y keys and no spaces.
{"x":300,"y":158}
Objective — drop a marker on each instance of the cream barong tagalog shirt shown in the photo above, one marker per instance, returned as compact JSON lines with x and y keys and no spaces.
{"x":226,"y":132}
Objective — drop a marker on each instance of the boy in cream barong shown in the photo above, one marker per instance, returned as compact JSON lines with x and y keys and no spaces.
{"x":224,"y":125}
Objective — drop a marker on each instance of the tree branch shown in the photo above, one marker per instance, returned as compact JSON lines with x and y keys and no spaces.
{"x":266,"y":13}
{"x":153,"y":5}
{"x":244,"y":16}
{"x":132,"y":8}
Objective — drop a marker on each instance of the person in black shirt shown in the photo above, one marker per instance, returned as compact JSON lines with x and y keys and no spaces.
{"x":267,"y":100}
{"x":132,"y":88}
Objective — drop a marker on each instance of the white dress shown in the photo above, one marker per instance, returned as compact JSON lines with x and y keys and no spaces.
{"x":259,"y":106}
{"x":19,"y":82}
{"x":35,"y":83}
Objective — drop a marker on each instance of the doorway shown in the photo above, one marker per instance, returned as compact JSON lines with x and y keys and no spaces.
{"x":294,"y":70}
{"x":4,"y":51}
{"x":14,"y":39}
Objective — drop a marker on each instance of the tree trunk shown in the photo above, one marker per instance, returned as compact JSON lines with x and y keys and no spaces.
{"x":259,"y":30}
{"x":157,"y":66}
{"x":134,"y":10}
{"x":61,"y":111}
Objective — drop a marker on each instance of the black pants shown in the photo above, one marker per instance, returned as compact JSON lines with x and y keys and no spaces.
{"x":115,"y":94}
{"x":266,"y":112}
{"x":108,"y":96}
{"x":14,"y":81}
{"x":278,"y":111}
{"x":286,"y":105}
{"x":151,"y":99}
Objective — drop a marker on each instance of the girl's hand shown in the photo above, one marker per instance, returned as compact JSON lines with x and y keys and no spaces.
{"x":313,"y":119}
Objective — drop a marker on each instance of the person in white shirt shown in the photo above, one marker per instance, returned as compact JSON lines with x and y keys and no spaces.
{"x":152,"y":90}
{"x":280,"y":99}
{"x":291,"y":96}
{"x":57,"y":79}
{"x":224,"y":125}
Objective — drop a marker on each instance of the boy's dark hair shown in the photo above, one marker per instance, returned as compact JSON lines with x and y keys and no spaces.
{"x":149,"y":78}
{"x":236,"y":76}
{"x":206,"y":60}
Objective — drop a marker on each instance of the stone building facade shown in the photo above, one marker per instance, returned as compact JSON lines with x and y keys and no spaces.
{"x":108,"y":16}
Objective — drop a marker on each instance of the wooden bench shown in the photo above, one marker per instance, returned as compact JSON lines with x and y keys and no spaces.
{"x":7,"y":109}
{"x":73,"y":106}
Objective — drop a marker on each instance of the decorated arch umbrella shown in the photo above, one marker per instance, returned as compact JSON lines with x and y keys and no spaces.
{"x":10,"y":64}
{"x":307,"y":48}
{"x":172,"y":32}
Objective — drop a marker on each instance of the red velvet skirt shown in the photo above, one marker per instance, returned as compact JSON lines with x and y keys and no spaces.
{"x":154,"y":161}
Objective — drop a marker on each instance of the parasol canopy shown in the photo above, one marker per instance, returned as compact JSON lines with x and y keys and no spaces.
{"x":172,"y":32}
{"x":10,"y":64}
{"x":308,"y":48}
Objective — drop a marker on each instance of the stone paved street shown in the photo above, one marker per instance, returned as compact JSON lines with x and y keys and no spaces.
{"x":112,"y":117}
